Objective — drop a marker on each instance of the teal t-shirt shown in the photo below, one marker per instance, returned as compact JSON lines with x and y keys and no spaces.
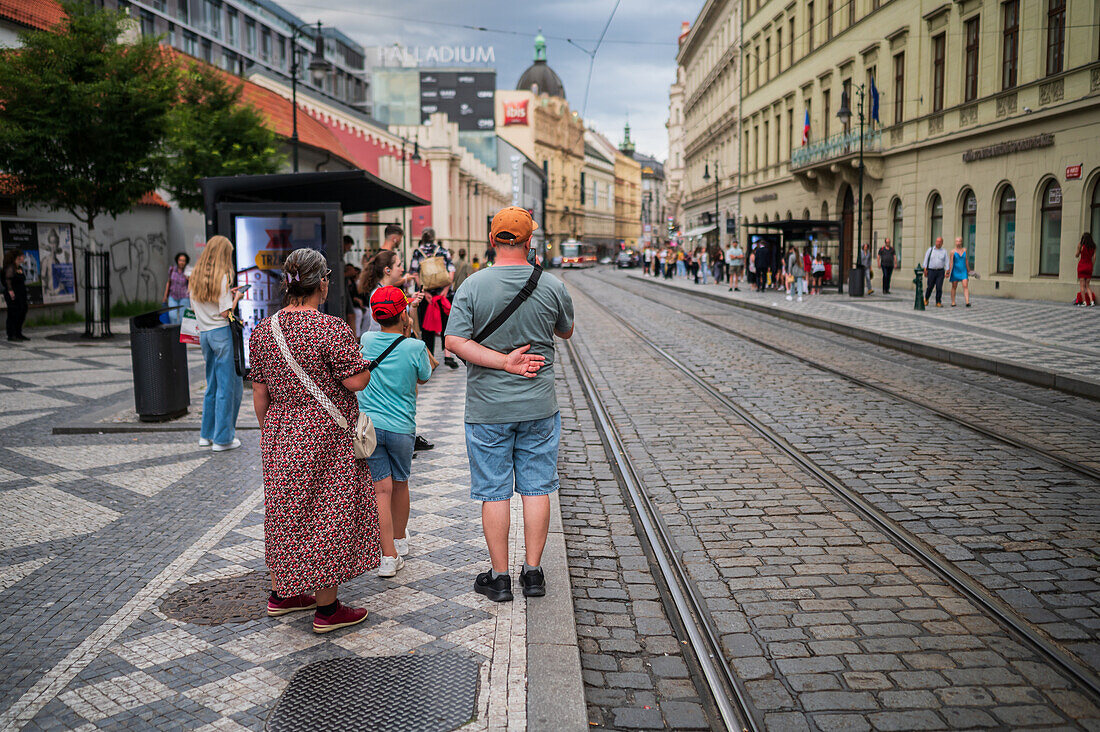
{"x":390,"y":396}
{"x":494,"y":396}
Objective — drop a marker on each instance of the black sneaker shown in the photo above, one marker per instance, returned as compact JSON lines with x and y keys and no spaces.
{"x":534,"y":583}
{"x":421,"y":444}
{"x":448,"y":361}
{"x":497,"y":590}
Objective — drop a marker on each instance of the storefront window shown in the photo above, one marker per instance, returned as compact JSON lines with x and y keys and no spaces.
{"x":1095,"y":226}
{"x":1006,"y":231}
{"x":1050,"y":241}
{"x":895,"y":235}
{"x":935,"y":220}
{"x":969,"y":226}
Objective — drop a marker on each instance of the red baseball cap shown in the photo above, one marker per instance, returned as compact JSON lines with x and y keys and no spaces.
{"x":388,"y":302}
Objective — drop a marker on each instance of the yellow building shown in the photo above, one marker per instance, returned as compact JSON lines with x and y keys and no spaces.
{"x":628,"y":194}
{"x":537,"y":120}
{"x":988,"y":121}
{"x":598,"y":192}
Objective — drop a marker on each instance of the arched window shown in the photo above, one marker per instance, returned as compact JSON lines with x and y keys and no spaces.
{"x":895,"y":230}
{"x":1050,"y":236}
{"x":806,"y":214}
{"x":1094,"y":209}
{"x":935,"y":219}
{"x":825,"y":211}
{"x":969,"y":222}
{"x":869,"y":222}
{"x":1006,"y":231}
{"x":789,"y":215}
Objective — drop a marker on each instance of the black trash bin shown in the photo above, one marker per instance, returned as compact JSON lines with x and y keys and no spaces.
{"x":161,"y":391}
{"x":856,"y":281}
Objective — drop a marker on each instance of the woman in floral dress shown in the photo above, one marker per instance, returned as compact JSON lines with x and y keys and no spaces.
{"x":320,"y":517}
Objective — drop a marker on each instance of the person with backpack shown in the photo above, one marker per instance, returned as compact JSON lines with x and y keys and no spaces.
{"x":397,"y":364}
{"x":436,"y":298}
{"x":503,"y":324}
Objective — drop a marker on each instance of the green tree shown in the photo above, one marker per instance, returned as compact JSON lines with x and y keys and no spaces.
{"x":84,"y":116}
{"x":212,"y":133}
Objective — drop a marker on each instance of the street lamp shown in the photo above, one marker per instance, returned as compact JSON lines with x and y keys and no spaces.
{"x":706,"y":176}
{"x":844,"y":114}
{"x":318,"y":69}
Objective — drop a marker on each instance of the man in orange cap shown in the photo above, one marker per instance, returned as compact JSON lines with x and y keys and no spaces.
{"x":503,"y":322}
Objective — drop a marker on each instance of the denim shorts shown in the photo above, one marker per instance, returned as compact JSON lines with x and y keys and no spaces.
{"x":520,"y":456}
{"x":393,"y":457}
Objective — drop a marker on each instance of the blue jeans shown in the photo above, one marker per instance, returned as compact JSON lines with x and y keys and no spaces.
{"x":515,"y":455}
{"x":223,"y":387}
{"x":392,"y":457}
{"x":175,"y":315}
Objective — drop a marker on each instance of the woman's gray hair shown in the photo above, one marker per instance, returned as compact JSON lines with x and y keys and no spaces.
{"x":303,"y":272}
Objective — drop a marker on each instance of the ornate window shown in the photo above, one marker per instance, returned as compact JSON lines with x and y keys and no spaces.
{"x":1010,"y":40}
{"x":1006,"y":231}
{"x":1056,"y":35}
{"x":1050,"y":235}
{"x":935,"y":219}
{"x":895,"y":229}
{"x":970,"y":88}
{"x":968,"y":230}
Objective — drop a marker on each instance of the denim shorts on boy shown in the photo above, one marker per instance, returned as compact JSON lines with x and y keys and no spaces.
{"x":392,"y":457}
{"x":523,"y":455}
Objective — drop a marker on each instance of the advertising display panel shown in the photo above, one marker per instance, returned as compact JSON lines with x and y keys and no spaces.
{"x":466,"y":97}
{"x":47,"y":258}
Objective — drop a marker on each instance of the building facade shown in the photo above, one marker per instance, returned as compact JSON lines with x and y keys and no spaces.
{"x":598,"y":192}
{"x":709,"y":58}
{"x":628,"y":194}
{"x":528,"y":188}
{"x":655,"y":210}
{"x":239,"y":35}
{"x":987,"y":119}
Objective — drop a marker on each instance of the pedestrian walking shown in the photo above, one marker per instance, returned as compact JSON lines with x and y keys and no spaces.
{"x":397,"y":365}
{"x":681,"y":269}
{"x":693,"y":264}
{"x":213,"y":299}
{"x":647,"y":258}
{"x":817,"y":271}
{"x":807,"y":264}
{"x":752,"y":276}
{"x":886,"y":262}
{"x":320,"y":515}
{"x":435,"y":299}
{"x":490,"y":256}
{"x":175,"y":289}
{"x":865,"y":260}
{"x":795,"y":272}
{"x":462,"y":271}
{"x":1086,"y":257}
{"x":935,"y":262}
{"x":735,"y":265}
{"x":704,"y":264}
{"x":15,"y":293}
{"x":959,"y":272}
{"x":513,"y":426}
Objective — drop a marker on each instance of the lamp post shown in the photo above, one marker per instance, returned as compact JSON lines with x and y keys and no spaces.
{"x":318,"y":68}
{"x":844,"y":114}
{"x":706,"y":176}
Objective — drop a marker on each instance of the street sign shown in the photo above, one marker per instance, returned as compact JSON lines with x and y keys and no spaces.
{"x":1073,"y":172}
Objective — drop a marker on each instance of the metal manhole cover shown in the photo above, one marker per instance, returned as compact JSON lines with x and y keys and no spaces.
{"x":433,"y":693}
{"x":229,"y":600}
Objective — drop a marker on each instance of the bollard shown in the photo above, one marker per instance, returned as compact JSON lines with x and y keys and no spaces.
{"x":919,"y":282}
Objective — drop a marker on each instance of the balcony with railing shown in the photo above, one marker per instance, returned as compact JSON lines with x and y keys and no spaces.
{"x":836,"y":147}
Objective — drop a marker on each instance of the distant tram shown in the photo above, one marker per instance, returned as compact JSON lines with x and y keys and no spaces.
{"x":578,"y":254}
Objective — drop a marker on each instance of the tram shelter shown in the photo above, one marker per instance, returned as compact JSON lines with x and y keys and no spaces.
{"x":821,"y":235}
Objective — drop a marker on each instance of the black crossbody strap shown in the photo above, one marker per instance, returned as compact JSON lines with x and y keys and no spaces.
{"x":523,"y":294}
{"x":373,"y":363}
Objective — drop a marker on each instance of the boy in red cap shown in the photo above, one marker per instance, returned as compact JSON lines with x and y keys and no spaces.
{"x":512,"y":422}
{"x":397,"y":365}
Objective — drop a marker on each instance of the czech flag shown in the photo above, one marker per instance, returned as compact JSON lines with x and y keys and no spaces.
{"x":806,"y":129}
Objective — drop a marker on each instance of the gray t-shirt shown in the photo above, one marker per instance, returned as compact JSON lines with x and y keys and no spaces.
{"x":494,"y":396}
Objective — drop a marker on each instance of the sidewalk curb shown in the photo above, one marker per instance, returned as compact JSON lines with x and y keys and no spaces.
{"x":1000,"y":367}
{"x":555,"y":689}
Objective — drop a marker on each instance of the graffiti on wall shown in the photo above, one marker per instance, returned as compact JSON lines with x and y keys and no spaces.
{"x":137,"y":263}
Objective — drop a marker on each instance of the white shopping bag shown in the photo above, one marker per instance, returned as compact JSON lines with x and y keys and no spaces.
{"x":189,"y":327}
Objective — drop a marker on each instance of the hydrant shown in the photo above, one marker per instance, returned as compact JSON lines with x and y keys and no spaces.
{"x":919,"y":282}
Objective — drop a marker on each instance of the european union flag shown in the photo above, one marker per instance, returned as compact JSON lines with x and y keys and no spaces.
{"x":874,"y":100}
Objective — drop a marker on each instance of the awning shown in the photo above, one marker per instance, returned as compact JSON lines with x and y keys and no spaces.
{"x":699,"y":231}
{"x":357,"y":191}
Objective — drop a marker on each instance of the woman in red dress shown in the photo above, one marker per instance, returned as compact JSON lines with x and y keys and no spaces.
{"x":1086,"y":256}
{"x":320,"y":517}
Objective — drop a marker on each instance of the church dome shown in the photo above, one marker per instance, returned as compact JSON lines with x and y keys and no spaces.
{"x":539,"y":77}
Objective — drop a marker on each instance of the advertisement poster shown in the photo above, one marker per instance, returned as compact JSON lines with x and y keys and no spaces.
{"x":466,"y":97}
{"x":263,"y":244}
{"x":47,"y":258}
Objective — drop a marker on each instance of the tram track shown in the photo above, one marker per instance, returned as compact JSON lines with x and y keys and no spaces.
{"x":1020,"y":444}
{"x":959,"y":580}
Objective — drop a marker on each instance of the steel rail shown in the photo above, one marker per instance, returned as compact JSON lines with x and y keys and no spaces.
{"x":1042,"y":452}
{"x":730,"y":696}
{"x":959,"y":580}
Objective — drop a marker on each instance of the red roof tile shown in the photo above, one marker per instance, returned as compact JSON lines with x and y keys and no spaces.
{"x":152,"y":198}
{"x":39,"y":14}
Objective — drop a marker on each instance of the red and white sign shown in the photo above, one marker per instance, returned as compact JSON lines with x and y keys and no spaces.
{"x":515,"y":113}
{"x":1073,"y":172}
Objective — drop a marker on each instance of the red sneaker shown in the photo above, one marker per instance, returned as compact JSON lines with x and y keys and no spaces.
{"x":290,"y":605}
{"x":342,"y":618}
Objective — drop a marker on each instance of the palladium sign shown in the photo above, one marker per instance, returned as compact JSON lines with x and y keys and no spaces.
{"x":435,"y":55}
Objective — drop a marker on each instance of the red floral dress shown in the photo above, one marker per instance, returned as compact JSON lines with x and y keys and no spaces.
{"x":320,"y":516}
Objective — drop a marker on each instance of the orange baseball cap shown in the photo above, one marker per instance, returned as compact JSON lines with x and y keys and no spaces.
{"x":515,"y":221}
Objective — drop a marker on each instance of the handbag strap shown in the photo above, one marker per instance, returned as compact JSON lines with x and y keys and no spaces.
{"x":308,"y":383}
{"x":373,"y":363}
{"x":521,"y":296}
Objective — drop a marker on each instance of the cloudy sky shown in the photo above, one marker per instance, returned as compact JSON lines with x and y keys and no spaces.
{"x":633,"y":67}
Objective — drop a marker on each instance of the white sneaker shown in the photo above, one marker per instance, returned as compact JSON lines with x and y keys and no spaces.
{"x":800,"y":298}
{"x":203,"y":442}
{"x":389,"y":566}
{"x":789,"y":297}
{"x":402,"y":546}
{"x":231,"y":446}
